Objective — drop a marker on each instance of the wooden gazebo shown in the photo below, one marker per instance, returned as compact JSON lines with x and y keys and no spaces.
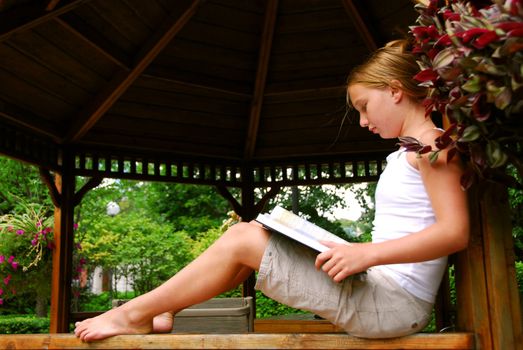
{"x":246,"y":94}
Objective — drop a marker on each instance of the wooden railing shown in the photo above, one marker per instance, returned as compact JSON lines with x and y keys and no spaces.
{"x":240,"y":341}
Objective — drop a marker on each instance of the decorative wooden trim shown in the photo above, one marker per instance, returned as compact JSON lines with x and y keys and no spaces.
{"x":239,"y":341}
{"x":28,"y":147}
{"x":209,"y":172}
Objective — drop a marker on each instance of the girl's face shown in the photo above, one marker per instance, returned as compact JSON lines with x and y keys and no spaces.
{"x":378,"y":109}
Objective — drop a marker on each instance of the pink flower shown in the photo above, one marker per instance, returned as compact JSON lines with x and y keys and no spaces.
{"x":1,"y":291}
{"x":82,"y":261}
{"x":2,"y":259}
{"x":75,"y":226}
{"x":34,"y":241}
{"x":7,"y":279}
{"x":38,"y":224}
{"x":1,"y":301}
{"x":20,"y":232}
{"x":15,"y":264}
{"x":11,"y":259}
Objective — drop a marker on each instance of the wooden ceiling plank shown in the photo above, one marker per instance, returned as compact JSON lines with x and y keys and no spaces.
{"x":27,"y":120}
{"x":355,"y":14}
{"x":261,"y":77}
{"x":104,"y":50}
{"x":24,"y":18}
{"x":122,"y":80}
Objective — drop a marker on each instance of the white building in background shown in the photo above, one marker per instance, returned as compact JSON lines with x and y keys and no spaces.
{"x":122,"y":285}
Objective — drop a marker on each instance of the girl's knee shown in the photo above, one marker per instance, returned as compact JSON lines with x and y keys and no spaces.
{"x":247,"y":238}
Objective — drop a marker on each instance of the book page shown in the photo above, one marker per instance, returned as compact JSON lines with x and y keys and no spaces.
{"x":303,"y":226}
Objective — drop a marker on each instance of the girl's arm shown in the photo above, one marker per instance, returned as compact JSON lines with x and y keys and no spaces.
{"x":450,"y":232}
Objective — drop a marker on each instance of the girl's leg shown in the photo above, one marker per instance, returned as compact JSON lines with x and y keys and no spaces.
{"x":234,"y":255}
{"x":163,"y":323}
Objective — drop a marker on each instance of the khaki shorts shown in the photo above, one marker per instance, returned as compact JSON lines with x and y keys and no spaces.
{"x":371,"y":307}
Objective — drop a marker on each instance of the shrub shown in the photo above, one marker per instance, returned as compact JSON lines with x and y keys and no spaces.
{"x":23,"y":324}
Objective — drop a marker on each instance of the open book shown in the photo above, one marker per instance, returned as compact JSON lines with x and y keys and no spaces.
{"x":297,"y":228}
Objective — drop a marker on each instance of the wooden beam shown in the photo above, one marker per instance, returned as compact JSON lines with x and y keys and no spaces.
{"x":123,"y":80}
{"x":24,"y":17}
{"x":239,"y":341}
{"x":48,"y":180}
{"x":362,"y":26}
{"x":261,"y":77}
{"x":92,"y":183}
{"x":105,"y":50}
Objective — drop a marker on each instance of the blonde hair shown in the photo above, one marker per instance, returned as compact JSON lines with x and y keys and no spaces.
{"x":393,"y":62}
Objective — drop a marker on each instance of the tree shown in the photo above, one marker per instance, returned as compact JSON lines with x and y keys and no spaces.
{"x":20,"y":180}
{"x":180,"y":204}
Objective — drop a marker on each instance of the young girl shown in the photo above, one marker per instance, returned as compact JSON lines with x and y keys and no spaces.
{"x":421,"y":217}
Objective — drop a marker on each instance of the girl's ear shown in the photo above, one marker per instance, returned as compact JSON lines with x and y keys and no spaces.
{"x":396,"y":90}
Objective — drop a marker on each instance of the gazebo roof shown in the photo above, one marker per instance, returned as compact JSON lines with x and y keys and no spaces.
{"x":222,"y":82}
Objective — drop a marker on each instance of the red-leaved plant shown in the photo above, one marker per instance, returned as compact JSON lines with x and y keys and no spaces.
{"x":470,"y":55}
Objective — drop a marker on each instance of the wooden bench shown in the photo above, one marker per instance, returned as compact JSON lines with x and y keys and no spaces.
{"x":240,"y":341}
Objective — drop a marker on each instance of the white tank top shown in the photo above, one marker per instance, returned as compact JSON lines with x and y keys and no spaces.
{"x":403,"y":207}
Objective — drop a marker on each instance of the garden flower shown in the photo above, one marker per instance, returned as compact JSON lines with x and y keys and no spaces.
{"x":2,"y":259}
{"x":15,"y":265}
{"x":1,"y":291}
{"x":11,"y":259}
{"x":1,"y":301}
{"x":20,"y":232}
{"x":7,"y":279}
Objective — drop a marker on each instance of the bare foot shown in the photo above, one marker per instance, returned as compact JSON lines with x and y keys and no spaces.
{"x":113,"y":322}
{"x":163,"y":323}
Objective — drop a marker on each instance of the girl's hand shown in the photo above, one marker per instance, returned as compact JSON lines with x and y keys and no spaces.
{"x":343,"y":260}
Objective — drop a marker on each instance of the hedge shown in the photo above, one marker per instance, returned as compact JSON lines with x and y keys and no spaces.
{"x":23,"y":324}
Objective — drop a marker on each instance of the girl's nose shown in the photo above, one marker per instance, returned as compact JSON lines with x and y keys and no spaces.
{"x":363,"y":121}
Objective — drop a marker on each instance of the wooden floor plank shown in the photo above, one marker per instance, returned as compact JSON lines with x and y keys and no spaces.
{"x":238,"y":341}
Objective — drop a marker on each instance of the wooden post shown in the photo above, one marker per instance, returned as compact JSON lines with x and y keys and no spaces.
{"x":63,"y":252}
{"x":487,"y":292}
{"x":249,"y":213}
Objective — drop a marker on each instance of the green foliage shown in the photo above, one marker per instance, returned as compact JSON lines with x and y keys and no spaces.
{"x":26,"y":252}
{"x":132,"y":244}
{"x":102,"y":301}
{"x":20,"y":180}
{"x":519,"y":276}
{"x":267,"y":307}
{"x":23,"y":325}
{"x":181,"y":204}
{"x":471,"y":55}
